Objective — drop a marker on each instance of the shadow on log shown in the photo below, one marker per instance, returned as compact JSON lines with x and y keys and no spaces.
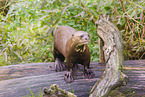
{"x":113,"y":51}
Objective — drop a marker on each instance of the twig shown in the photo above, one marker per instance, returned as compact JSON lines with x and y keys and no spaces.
{"x":124,"y":11}
{"x":143,"y":26}
{"x":142,"y":56}
{"x":90,"y":14}
{"x":134,"y":20}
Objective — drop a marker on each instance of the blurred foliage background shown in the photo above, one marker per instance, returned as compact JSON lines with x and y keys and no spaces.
{"x":26,"y":26}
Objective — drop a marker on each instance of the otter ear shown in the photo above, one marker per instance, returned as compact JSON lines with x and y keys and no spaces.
{"x":72,"y":34}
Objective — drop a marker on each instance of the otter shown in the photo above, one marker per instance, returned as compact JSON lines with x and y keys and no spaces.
{"x":71,"y":45}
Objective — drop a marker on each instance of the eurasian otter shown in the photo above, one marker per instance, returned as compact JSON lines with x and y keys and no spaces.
{"x":71,"y":45}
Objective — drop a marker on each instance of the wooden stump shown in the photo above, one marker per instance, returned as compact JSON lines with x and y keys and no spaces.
{"x":113,"y":51}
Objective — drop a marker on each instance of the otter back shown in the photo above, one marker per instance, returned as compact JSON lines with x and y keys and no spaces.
{"x":61,"y":36}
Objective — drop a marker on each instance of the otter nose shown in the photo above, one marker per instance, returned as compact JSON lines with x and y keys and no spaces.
{"x":87,"y":38}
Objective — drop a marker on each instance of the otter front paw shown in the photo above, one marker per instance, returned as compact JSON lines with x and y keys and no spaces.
{"x":76,"y":67}
{"x":88,"y":73}
{"x":59,"y":66}
{"x":69,"y":77}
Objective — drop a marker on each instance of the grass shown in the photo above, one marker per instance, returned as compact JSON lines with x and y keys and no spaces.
{"x":40,"y":94}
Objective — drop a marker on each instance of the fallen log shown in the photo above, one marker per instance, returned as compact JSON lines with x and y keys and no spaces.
{"x":18,"y":80}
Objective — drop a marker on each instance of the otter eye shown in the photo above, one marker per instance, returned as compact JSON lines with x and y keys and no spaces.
{"x":82,"y":36}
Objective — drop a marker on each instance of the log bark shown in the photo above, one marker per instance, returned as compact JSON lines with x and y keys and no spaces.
{"x":101,"y":52}
{"x":113,"y":51}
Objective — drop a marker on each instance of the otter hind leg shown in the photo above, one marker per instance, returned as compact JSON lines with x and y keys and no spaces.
{"x":59,"y":65}
{"x":59,"y":61}
{"x":88,"y":73}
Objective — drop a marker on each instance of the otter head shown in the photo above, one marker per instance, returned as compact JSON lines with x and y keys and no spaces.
{"x":81,"y":38}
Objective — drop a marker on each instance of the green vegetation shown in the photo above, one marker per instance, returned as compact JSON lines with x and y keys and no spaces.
{"x":40,"y":94}
{"x":26,"y":26}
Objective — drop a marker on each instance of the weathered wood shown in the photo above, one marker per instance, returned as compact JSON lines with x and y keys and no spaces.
{"x":55,"y":91}
{"x":101,"y":52}
{"x":17,"y":79}
{"x":23,"y":70}
{"x":136,"y":85}
{"x":113,"y":51}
